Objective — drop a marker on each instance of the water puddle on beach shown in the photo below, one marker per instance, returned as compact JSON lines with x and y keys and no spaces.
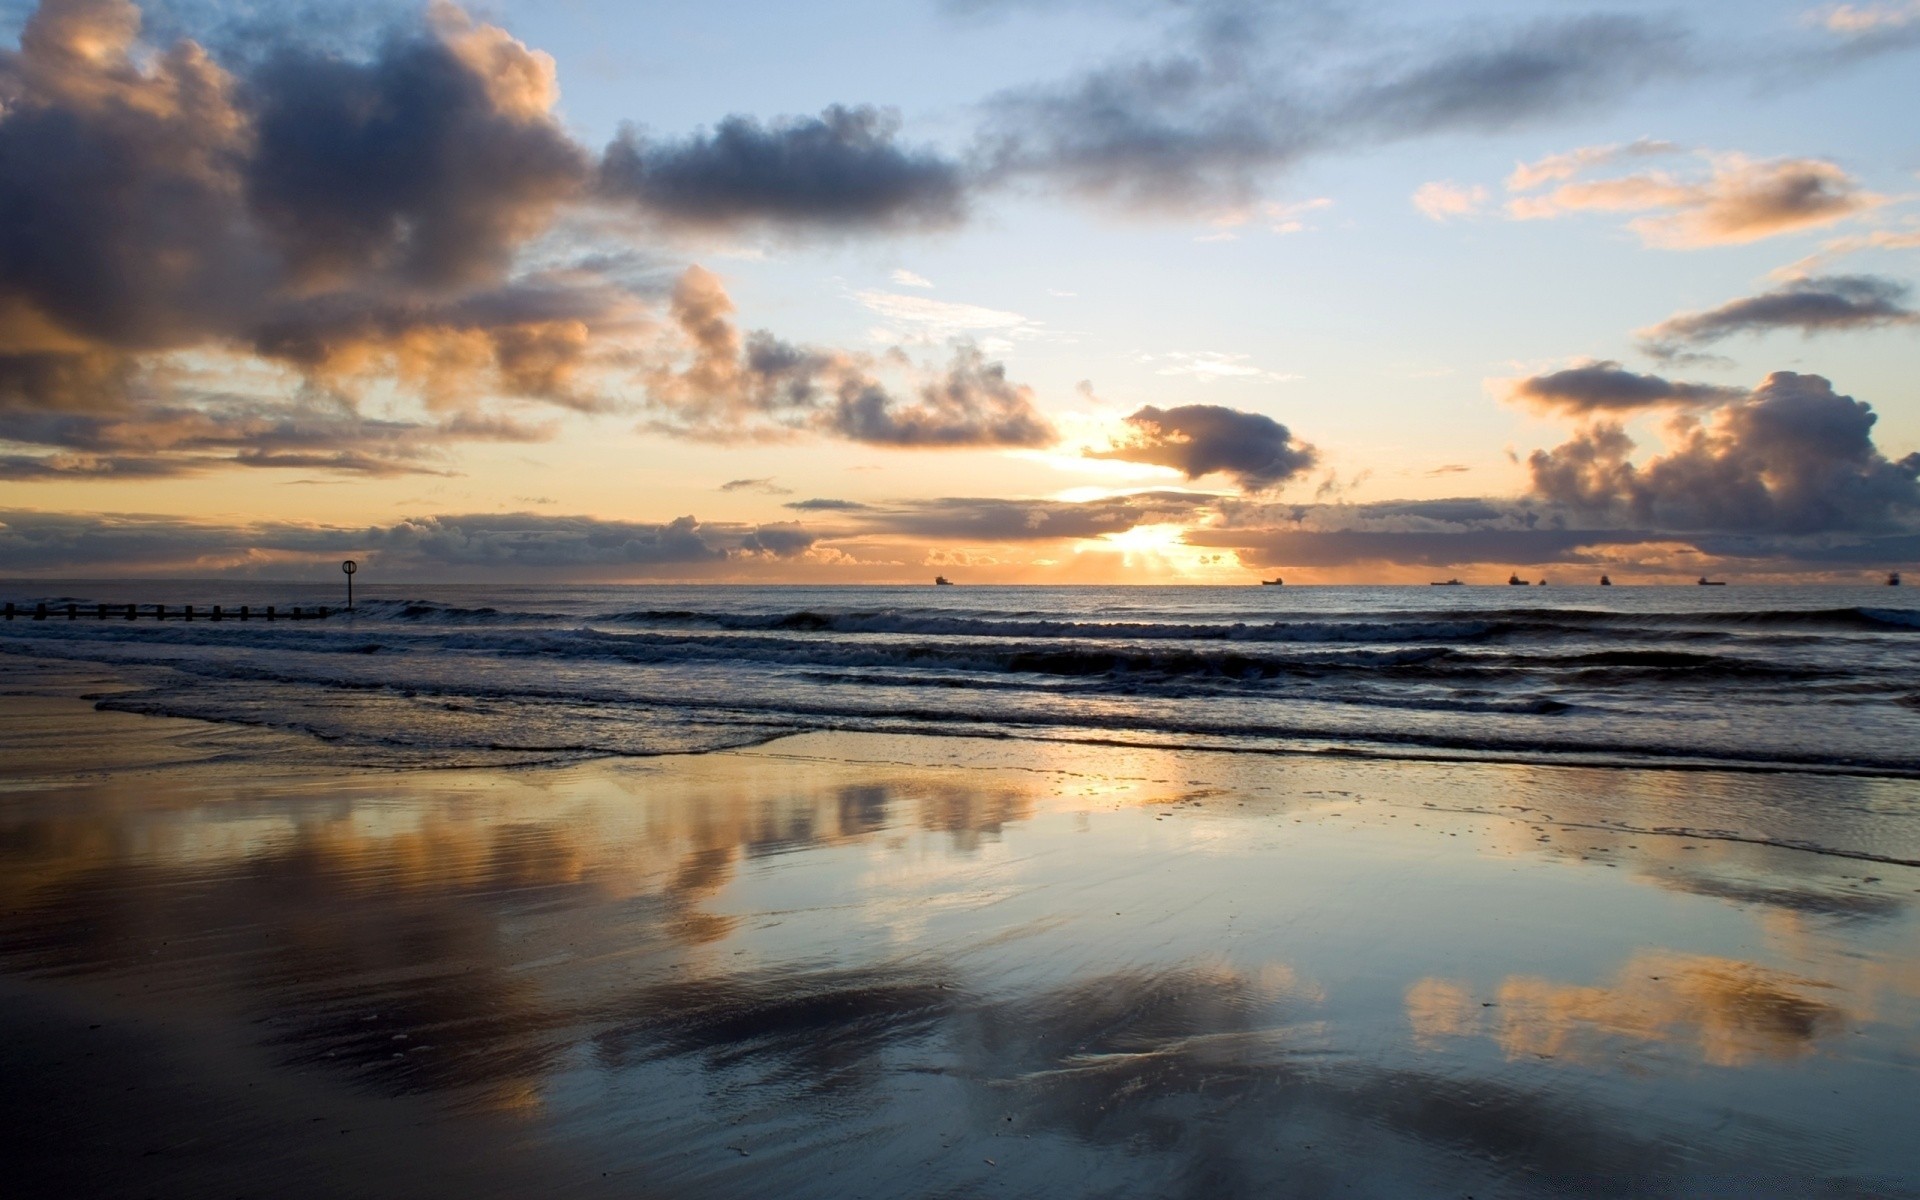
{"x":867,"y":965}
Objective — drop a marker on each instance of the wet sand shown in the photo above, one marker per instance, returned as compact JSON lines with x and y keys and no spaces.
{"x":842,"y":965}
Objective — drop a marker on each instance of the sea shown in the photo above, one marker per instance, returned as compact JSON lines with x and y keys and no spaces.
{"x":1800,"y":678}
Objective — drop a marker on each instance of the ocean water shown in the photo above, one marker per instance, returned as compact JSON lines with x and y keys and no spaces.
{"x":1772,"y":678}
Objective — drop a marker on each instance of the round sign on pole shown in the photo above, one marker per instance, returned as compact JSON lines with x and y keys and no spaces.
{"x":349,"y":567}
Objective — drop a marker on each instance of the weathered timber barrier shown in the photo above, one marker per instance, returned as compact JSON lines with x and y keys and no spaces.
{"x":159,"y":612}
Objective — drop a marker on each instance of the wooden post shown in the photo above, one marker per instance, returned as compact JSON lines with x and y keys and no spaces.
{"x":132,"y":611}
{"x":188,"y":608}
{"x":73,"y":610}
{"x":9,"y":610}
{"x":159,"y":612}
{"x":103,"y":613}
{"x":216,"y":612}
{"x":296,"y":612}
{"x":243,"y":612}
{"x":323,"y":612}
{"x":269,"y":612}
{"x":40,"y":611}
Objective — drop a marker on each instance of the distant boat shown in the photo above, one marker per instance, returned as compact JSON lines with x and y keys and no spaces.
{"x":1543,"y":583}
{"x":1516,"y":581}
{"x":942,"y":581}
{"x":1446,"y":583}
{"x":1605,"y":582}
{"x":1272,"y":582}
{"x":1705,"y":582}
{"x":1893,"y":579}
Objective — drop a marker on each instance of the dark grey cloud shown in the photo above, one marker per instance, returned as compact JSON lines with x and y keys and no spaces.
{"x":159,"y":440}
{"x":490,"y":546}
{"x":1500,"y":78}
{"x":427,"y":162}
{"x":1200,"y":439}
{"x":845,"y":169}
{"x":1795,"y":457}
{"x":733,"y":386}
{"x":766,"y":487}
{"x":824,"y":504}
{"x":1818,"y":304}
{"x":1208,"y":122}
{"x":994,"y":520}
{"x":1608,"y":387}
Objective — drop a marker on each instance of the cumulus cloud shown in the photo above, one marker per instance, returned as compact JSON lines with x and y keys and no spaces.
{"x":1740,"y":199}
{"x":1201,"y":439}
{"x":1597,"y":387}
{"x":1785,"y":478}
{"x":489,"y":546}
{"x":1817,"y":304}
{"x":731,"y":386}
{"x":1794,"y":457}
{"x":342,"y":217}
{"x":845,"y":169}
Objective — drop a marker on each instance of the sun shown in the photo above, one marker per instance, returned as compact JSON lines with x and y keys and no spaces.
{"x":1162,"y":551}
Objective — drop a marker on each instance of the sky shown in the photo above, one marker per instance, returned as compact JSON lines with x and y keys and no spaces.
{"x":1013,"y":291}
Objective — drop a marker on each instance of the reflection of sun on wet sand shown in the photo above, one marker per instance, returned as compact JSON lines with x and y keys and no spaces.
{"x":888,"y":964}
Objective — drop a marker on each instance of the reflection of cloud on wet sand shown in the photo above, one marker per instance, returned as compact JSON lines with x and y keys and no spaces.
{"x":391,"y":940}
{"x":1213,"y":1080}
{"x":1728,"y":1012}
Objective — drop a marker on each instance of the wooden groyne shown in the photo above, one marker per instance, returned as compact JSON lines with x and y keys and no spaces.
{"x":160,"y":612}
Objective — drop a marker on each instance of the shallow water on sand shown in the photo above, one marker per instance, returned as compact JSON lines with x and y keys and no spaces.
{"x":885,"y":965}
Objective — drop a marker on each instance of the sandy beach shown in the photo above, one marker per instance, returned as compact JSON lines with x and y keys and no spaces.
{"x":861,"y":964}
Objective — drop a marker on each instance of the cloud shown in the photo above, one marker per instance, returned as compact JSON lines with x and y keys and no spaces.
{"x":1818,"y":304}
{"x":489,"y":546}
{"x":1443,"y":200}
{"x":971,"y":404}
{"x":346,"y":218}
{"x":928,"y":319}
{"x":824,"y":504}
{"x":1201,"y":439}
{"x":1742,"y":199}
{"x":1907,"y":238}
{"x":1597,"y":387}
{"x":1787,"y":478}
{"x":1209,"y":365}
{"x":1204,"y":125}
{"x":766,"y":487}
{"x":906,"y":278}
{"x":1795,"y":457}
{"x":1859,"y":19}
{"x":844,"y":169}
{"x":978,"y":519}
{"x":733,"y":386}
{"x":430,"y":163}
{"x":1557,"y":168}
{"x":230,"y":431}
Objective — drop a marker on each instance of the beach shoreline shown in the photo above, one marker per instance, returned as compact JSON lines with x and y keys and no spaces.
{"x":844,"y":962}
